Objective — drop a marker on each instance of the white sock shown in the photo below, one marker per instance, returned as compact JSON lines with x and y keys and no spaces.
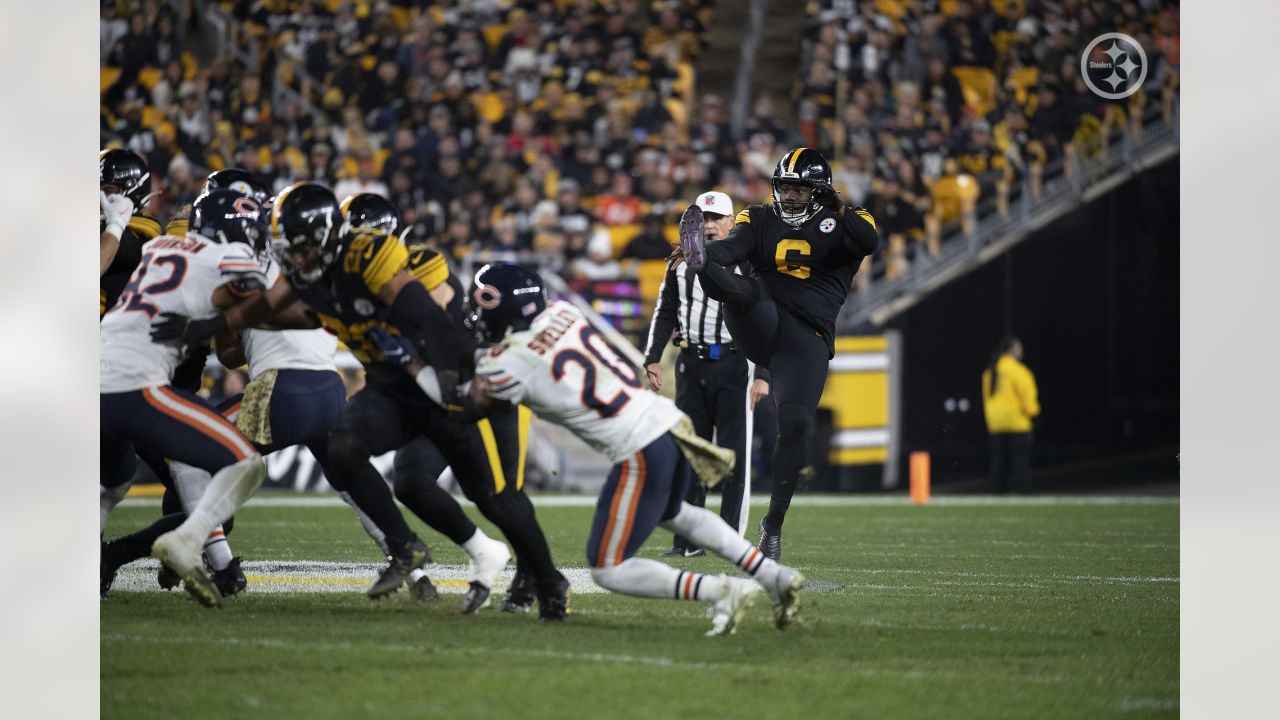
{"x":190,"y":482}
{"x":708,"y":530}
{"x":649,"y":578}
{"x":227,"y":491}
{"x":370,"y":527}
{"x":476,"y":543}
{"x":216,"y":549}
{"x":108,"y":498}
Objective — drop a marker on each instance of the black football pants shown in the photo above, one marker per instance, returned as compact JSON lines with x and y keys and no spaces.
{"x":713,"y":394}
{"x":796,"y":355}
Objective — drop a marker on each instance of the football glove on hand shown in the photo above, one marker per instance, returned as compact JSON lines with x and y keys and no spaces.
{"x":116,"y":210}
{"x":176,"y":329}
{"x":827,"y":197}
{"x":395,"y":349}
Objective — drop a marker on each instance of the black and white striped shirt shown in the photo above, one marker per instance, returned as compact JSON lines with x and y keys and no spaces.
{"x":682,"y":304}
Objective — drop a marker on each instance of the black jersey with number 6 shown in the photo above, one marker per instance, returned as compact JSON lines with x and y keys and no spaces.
{"x":807,"y":270}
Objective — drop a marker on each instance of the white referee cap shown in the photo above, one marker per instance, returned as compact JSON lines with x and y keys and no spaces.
{"x":716,"y":202}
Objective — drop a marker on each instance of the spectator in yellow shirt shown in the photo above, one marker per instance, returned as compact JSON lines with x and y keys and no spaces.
{"x":1009,"y":401}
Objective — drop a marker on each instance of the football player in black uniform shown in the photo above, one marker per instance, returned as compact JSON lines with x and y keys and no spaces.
{"x":420,"y":462}
{"x":122,"y":173}
{"x":803,"y":252}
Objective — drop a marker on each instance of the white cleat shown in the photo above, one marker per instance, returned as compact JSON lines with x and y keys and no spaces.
{"x":485,"y":567}
{"x":785,"y":596}
{"x":184,"y":559}
{"x":727,"y":612}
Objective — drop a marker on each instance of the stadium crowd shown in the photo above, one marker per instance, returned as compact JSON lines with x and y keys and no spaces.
{"x":568,"y":132}
{"x":928,"y":109}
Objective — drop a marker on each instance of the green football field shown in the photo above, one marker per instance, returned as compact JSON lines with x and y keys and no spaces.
{"x":966,"y":608}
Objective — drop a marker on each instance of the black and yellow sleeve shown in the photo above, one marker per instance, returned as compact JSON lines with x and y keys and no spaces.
{"x":145,"y":226}
{"x":428,"y":266}
{"x":176,"y":226}
{"x":376,"y":257}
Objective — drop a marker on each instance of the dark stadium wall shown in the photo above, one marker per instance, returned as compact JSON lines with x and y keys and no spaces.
{"x":1094,"y":298}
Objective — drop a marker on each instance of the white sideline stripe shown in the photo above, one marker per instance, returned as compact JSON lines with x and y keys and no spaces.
{"x":865,"y":437}
{"x":306,"y":576}
{"x":859,"y":362}
{"x":301,"y":500}
{"x":200,"y":417}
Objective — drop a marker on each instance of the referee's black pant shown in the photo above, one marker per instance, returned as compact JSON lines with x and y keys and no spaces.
{"x":713,"y":394}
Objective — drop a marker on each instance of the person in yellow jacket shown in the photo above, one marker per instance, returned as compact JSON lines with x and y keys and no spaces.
{"x":1010,"y":402}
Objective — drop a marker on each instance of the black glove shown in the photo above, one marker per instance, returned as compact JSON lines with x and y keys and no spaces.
{"x":395,"y":349}
{"x":449,"y":380}
{"x":175,"y":329}
{"x":827,"y":197}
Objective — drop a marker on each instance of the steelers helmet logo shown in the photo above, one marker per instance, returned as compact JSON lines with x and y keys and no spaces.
{"x":1114,"y":66}
{"x":364,"y":306}
{"x":827,"y":225}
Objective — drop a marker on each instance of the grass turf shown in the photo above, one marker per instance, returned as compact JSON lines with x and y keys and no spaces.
{"x":1056,"y":611}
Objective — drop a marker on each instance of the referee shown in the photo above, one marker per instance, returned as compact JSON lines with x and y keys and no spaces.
{"x":711,"y":374}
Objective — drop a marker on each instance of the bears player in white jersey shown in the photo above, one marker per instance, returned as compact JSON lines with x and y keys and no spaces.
{"x":552,"y":361}
{"x":212,"y":267}
{"x":294,"y":395}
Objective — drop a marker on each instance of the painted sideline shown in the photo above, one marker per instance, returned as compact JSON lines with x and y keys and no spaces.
{"x":298,"y":500}
{"x":315,"y":576}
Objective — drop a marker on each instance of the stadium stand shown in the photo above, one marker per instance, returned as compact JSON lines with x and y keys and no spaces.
{"x":935,"y":113}
{"x":526,"y":129}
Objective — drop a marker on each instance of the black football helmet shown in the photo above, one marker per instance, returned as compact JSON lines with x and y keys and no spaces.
{"x":226,"y":216}
{"x":367,"y":210}
{"x":127,"y":171}
{"x":306,"y":230}
{"x":243,"y":182}
{"x":805,"y":167}
{"x":504,"y":298}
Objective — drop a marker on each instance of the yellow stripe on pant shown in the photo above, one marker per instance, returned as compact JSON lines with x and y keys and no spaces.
{"x":495,"y":458}
{"x":525,"y":415}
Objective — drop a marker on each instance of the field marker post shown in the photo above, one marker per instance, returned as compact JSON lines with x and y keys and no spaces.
{"x":919,"y":464}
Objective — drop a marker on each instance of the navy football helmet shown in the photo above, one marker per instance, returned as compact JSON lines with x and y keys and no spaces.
{"x":226,"y":216}
{"x":504,"y":298}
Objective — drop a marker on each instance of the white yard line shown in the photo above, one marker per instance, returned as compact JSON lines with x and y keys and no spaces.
{"x":329,"y":500}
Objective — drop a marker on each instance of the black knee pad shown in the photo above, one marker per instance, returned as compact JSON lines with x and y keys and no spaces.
{"x":348,"y":453}
{"x":795,"y":422}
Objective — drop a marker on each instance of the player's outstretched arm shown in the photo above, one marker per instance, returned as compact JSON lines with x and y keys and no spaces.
{"x":176,"y":329}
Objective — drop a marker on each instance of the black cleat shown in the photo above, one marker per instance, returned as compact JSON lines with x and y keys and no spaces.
{"x":167,"y":578}
{"x":693,"y":237}
{"x":230,"y":580}
{"x":556,"y":606}
{"x":106,"y":576}
{"x":770,"y":541}
{"x":421,"y":588}
{"x":476,"y":599}
{"x":414,"y":554}
{"x":520,"y":595}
